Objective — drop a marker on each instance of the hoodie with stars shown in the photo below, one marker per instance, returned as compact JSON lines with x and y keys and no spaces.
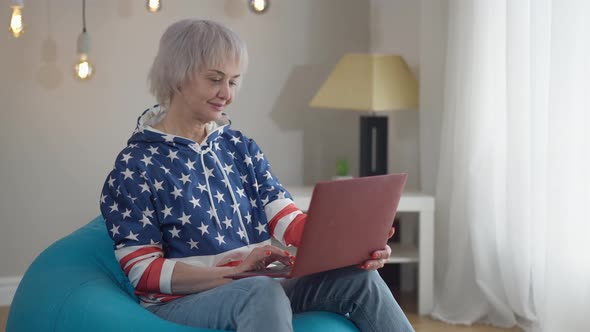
{"x":169,"y":199}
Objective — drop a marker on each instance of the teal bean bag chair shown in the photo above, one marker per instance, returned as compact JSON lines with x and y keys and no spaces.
{"x":77,"y":285}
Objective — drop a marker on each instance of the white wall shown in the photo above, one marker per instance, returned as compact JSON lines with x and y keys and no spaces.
{"x":415,"y":29}
{"x":395,"y":28}
{"x":59,"y":137}
{"x":433,"y":51}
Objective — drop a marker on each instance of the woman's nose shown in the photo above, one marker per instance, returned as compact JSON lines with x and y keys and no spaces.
{"x":224,"y":92}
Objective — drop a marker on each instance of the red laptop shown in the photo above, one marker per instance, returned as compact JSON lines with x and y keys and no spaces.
{"x":347,"y":220}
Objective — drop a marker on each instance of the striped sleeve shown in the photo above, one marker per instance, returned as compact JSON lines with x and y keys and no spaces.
{"x":286,"y":221}
{"x":133,"y":224}
{"x":146,"y":268}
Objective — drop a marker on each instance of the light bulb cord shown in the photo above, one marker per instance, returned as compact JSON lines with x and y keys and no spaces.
{"x":83,"y":15}
{"x":83,"y":45}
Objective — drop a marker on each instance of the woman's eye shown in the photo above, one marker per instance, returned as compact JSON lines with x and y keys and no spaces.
{"x":233,"y":83}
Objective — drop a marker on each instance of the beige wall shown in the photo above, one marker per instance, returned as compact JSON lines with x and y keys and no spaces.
{"x":59,"y":137}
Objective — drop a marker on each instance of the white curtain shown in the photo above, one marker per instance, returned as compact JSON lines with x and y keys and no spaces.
{"x":513,"y":192}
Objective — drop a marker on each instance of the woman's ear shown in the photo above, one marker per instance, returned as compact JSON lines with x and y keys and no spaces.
{"x":179,"y":87}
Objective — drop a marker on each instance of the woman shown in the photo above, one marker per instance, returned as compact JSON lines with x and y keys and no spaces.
{"x":191,"y":200}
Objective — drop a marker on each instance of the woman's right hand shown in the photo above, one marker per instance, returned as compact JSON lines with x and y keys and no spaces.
{"x":260,"y":257}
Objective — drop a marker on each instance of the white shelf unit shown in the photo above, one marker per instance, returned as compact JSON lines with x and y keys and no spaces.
{"x":401,"y":253}
{"x":423,"y":254}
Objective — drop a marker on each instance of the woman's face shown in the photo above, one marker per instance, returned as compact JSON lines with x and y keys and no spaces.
{"x":211,"y":90}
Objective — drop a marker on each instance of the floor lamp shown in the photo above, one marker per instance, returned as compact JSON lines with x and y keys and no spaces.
{"x":370,"y":83}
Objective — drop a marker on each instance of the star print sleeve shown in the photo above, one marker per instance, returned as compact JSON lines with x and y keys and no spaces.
{"x":132,"y":223}
{"x":285,"y":220}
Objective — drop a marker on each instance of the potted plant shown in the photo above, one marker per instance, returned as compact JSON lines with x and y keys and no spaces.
{"x":342,"y":170}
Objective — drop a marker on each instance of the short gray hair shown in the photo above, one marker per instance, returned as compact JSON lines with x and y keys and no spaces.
{"x":188,"y":46}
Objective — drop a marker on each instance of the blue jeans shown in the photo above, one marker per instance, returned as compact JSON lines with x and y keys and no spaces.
{"x":264,"y":304}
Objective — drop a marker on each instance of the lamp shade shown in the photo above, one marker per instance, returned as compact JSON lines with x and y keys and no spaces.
{"x":369,"y":82}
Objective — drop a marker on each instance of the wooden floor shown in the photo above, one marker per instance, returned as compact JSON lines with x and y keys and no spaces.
{"x":420,"y":323}
{"x":426,"y":324}
{"x":3,"y":318}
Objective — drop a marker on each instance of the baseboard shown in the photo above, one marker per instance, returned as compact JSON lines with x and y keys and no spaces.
{"x":8,"y":286}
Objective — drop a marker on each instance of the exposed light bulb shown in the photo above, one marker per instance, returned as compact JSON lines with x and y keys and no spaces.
{"x":16,"y":21}
{"x":258,"y":6}
{"x":84,"y":68}
{"x":153,"y":6}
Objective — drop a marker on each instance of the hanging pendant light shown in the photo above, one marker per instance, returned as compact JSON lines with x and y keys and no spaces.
{"x":16,"y":20}
{"x":153,"y":6}
{"x":83,"y":69}
{"x":258,"y":6}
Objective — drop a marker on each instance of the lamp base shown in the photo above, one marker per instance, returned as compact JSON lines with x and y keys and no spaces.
{"x":373,"y":158}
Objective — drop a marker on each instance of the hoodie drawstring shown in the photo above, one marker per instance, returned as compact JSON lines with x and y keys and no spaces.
{"x":228,"y":183}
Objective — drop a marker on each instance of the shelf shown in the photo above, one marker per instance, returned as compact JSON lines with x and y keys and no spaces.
{"x":403,"y":253}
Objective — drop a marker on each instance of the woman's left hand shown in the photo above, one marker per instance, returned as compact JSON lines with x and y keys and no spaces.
{"x":378,"y":257}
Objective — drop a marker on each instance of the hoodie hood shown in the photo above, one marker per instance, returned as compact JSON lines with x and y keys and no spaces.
{"x":145,"y":133}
